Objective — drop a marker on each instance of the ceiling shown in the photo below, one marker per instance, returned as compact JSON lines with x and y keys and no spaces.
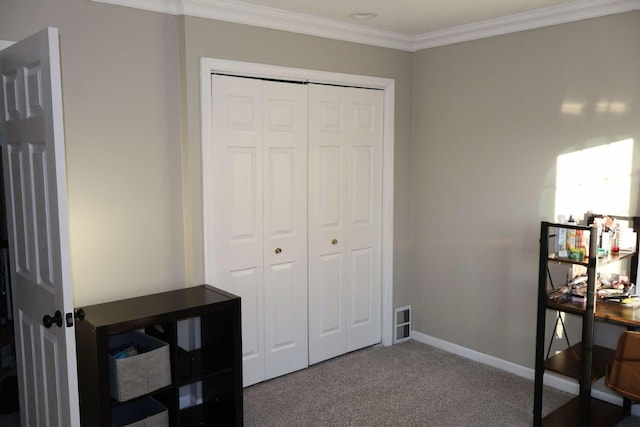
{"x":399,"y":24}
{"x":411,"y":17}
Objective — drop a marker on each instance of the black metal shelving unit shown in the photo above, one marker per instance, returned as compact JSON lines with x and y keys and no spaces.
{"x":585,"y":361}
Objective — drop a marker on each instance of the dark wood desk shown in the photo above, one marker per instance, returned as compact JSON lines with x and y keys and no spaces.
{"x":605,"y":312}
{"x":569,"y":363}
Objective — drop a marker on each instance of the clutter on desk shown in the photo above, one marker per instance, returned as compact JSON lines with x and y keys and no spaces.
{"x":615,"y":237}
{"x":560,"y":295}
{"x":614,"y":288}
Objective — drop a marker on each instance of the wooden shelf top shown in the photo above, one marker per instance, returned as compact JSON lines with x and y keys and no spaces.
{"x":569,"y":362}
{"x":605,"y":312}
{"x":609,"y":259}
{"x":161,"y":306}
{"x":603,"y":414}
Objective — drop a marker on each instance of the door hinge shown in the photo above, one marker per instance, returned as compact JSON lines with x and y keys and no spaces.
{"x":78,"y":314}
{"x":69,"y":317}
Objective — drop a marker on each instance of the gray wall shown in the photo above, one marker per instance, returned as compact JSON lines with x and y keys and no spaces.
{"x":478,"y":130}
{"x":488,"y":129}
{"x":120,"y":81}
{"x":214,"y":39}
{"x":132,"y":122}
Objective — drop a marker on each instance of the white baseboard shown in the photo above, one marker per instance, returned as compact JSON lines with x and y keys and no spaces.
{"x":555,"y":381}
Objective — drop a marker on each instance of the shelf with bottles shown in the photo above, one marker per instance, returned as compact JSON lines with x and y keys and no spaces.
{"x":616,"y":237}
{"x":603,"y":246}
{"x":600,"y":261}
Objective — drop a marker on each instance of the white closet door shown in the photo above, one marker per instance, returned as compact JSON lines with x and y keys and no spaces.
{"x":285,"y":227}
{"x":236,"y":255}
{"x":345,"y":195}
{"x":259,"y":217}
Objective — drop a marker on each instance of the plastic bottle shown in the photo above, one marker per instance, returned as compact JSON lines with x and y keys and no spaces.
{"x":586,"y":239}
{"x":615,"y":239}
{"x":605,"y":241}
{"x":561,"y":239}
{"x":571,"y":234}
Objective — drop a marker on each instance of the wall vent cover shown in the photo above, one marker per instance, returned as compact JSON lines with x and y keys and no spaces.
{"x":402,"y":319}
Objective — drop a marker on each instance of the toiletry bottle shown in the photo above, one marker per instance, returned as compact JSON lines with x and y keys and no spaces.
{"x":571,"y":234}
{"x":561,"y":239}
{"x":615,"y":239}
{"x":605,"y":241}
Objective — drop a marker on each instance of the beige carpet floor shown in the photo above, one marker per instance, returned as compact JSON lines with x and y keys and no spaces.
{"x":409,"y":384}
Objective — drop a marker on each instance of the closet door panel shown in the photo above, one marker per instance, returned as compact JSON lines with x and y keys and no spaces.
{"x":243,"y":184}
{"x":327,"y":292}
{"x":327,"y":202}
{"x":362,"y":171}
{"x":363,"y":313}
{"x":364,"y":214}
{"x":285,"y":227}
{"x":247,"y":284}
{"x":331,"y":296}
{"x":236,"y":217}
{"x":297,"y":218}
{"x":331,"y":189}
{"x":280,"y":302}
{"x":327,"y":327}
{"x":345,"y":196}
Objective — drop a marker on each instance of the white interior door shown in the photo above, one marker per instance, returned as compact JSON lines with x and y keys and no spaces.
{"x":285,"y":227}
{"x":36,"y":196}
{"x":257,"y":216}
{"x":345,"y":206}
{"x":236,"y":212}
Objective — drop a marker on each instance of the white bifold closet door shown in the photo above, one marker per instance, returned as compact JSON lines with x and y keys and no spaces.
{"x":259,"y":218}
{"x":345,"y":197}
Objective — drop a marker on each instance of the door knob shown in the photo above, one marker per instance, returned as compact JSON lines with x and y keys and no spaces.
{"x":48,"y":321}
{"x":334,"y":242}
{"x":278,"y":250}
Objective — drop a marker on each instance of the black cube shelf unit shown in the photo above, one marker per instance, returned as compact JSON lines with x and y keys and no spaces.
{"x":217,"y":364}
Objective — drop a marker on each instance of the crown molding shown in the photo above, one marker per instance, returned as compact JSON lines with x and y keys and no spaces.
{"x":261,"y":16}
{"x":562,"y":14}
{"x":5,"y":44}
{"x":276,"y":19}
{"x":171,"y":7}
{"x":266,"y":17}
